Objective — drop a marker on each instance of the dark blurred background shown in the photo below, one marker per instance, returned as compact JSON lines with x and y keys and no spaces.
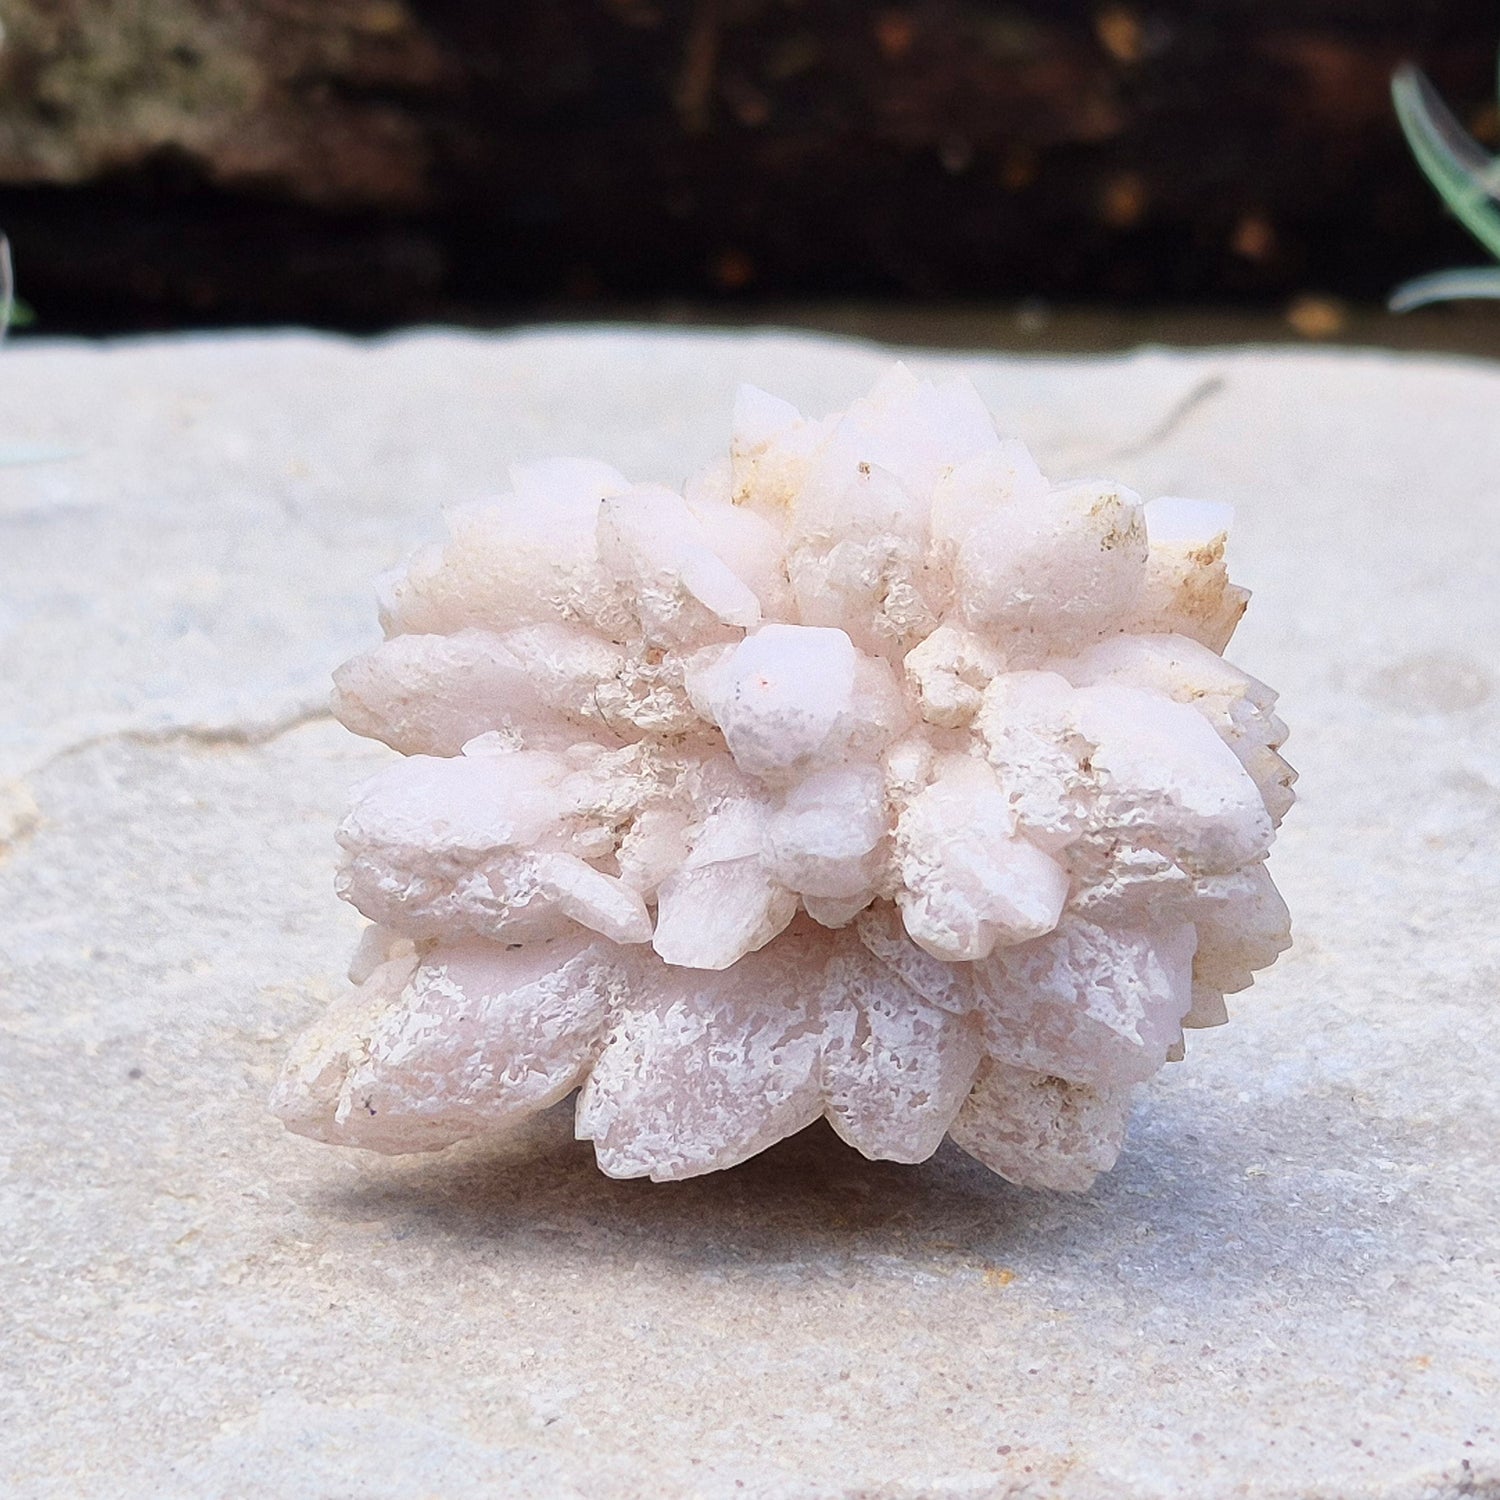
{"x":365,"y":163}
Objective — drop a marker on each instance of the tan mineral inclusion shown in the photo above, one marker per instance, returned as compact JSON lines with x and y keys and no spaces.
{"x":873,"y":777}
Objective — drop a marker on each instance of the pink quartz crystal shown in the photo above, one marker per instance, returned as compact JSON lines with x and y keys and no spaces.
{"x":874,"y":778}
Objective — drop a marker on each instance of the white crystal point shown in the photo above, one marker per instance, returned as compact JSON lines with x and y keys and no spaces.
{"x":1185,"y":523}
{"x":660,"y":555}
{"x":856,"y":558}
{"x":968,"y":882}
{"x":1238,"y":707}
{"x":528,"y":556}
{"x":1164,"y":761}
{"x":723,"y":901}
{"x":377,"y":945}
{"x":1087,"y":1003}
{"x":779,"y":696}
{"x":913,"y":430}
{"x":760,"y":418}
{"x":702,"y":1071}
{"x":711,"y":915}
{"x":1186,"y":589}
{"x":748,"y":545}
{"x":432,"y":694}
{"x":467,"y":1039}
{"x":872,"y":777}
{"x":441,"y":846}
{"x":570,"y":482}
{"x":1071,"y":561}
{"x":770,"y":452}
{"x":895,"y":1067}
{"x":1123,"y":769}
{"x":948,"y":673}
{"x":834,"y":911}
{"x":602,"y":903}
{"x":1042,"y":1132}
{"x":968,"y":494}
{"x":824,"y":838}
{"x":1242,"y":925}
{"x":458,"y":806}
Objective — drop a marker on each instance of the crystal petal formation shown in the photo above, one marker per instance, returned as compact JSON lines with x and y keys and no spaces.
{"x":873,"y":778}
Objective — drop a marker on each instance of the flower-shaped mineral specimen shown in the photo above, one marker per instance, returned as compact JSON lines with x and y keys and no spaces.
{"x":872,"y":778}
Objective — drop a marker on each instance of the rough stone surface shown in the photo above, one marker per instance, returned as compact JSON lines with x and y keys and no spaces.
{"x":1287,"y":1289}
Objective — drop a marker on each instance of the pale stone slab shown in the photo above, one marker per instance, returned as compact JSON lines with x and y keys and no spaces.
{"x":1288,"y":1287}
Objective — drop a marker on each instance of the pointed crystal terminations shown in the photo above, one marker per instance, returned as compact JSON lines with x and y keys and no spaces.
{"x":872,"y":778}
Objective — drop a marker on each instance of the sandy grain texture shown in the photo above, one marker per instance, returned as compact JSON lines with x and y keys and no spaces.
{"x":1288,"y":1288}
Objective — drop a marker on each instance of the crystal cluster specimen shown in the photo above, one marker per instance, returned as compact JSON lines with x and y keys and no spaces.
{"x":873,"y":777}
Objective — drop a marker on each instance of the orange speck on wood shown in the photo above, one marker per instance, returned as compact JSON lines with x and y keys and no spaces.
{"x":1316,"y":317}
{"x":732,"y":270}
{"x":1484,"y":124}
{"x":1254,"y":238}
{"x":1019,"y":169}
{"x":1120,"y":33}
{"x":1123,"y":203}
{"x":894,"y":34}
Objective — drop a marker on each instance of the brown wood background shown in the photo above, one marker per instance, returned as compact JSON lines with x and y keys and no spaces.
{"x":366,"y":162}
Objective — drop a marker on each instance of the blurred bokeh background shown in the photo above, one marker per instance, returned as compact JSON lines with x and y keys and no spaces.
{"x":970,"y":171}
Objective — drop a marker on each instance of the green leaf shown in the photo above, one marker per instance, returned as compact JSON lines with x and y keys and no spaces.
{"x":7,"y":286}
{"x":13,"y":312}
{"x":1446,"y":286}
{"x":1457,"y":165}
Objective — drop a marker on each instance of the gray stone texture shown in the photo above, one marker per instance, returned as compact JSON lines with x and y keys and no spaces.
{"x":1288,"y":1287}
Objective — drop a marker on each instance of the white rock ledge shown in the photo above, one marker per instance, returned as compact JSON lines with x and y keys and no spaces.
{"x":1286,"y":1289}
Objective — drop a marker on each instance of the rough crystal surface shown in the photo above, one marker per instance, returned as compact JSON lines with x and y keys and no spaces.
{"x":872,"y":777}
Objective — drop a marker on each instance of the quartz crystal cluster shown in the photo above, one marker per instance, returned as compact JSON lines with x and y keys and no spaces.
{"x":874,"y":777}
